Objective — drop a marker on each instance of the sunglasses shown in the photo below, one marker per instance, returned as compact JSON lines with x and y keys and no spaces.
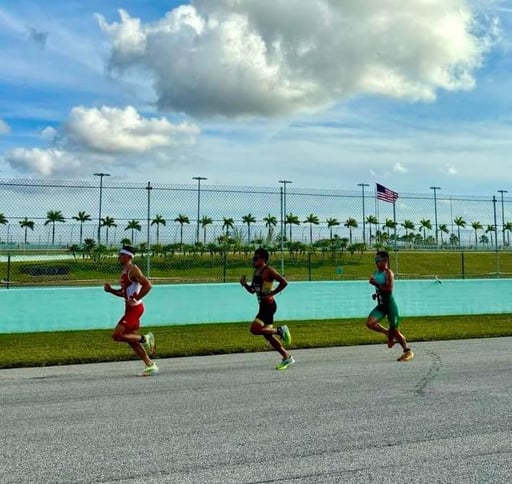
{"x":256,"y":257}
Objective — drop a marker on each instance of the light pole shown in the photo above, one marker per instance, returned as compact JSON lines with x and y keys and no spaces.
{"x":503,"y":215}
{"x":148,"y":233}
{"x":435,"y":211}
{"x":198,"y":178}
{"x":101,"y":175}
{"x":496,"y":236}
{"x":362,"y":185}
{"x":283,"y":219}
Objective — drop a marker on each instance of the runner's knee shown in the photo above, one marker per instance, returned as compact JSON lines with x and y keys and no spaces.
{"x":117,"y":337}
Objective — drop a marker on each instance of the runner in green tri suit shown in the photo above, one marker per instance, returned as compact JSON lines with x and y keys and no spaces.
{"x":383,"y":280}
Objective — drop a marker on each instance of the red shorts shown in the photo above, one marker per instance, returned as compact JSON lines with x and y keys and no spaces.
{"x":131,"y":317}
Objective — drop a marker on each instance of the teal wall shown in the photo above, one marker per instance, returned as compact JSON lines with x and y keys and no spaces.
{"x":53,"y":309}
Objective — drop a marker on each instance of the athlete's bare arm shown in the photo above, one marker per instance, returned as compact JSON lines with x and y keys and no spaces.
{"x":116,"y":292}
{"x":243,"y":283}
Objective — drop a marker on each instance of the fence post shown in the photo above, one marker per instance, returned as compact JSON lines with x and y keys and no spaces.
{"x":462,"y":265}
{"x":309,"y":265}
{"x":224,"y":262}
{"x":8,"y":270}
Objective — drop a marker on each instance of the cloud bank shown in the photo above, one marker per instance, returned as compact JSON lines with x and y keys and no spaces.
{"x":240,"y":58}
{"x":95,"y":137}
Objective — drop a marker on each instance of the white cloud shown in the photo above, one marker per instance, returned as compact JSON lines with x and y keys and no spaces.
{"x":44,"y":161}
{"x":242,"y":58}
{"x":105,"y":136}
{"x":399,"y":168}
{"x":113,"y":130}
{"x":4,"y":127}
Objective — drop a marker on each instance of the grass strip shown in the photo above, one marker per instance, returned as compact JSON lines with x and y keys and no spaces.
{"x":71,"y":347}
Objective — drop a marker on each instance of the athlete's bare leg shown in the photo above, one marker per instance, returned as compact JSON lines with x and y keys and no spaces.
{"x":120,"y":334}
{"x":373,"y":324}
{"x":269,"y":332}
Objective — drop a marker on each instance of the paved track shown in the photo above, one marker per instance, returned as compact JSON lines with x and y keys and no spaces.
{"x":339,"y":415}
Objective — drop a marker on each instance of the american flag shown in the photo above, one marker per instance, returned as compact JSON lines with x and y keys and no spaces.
{"x":385,"y":194}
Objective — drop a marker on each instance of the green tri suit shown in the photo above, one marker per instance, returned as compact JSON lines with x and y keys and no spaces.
{"x":386,"y":305}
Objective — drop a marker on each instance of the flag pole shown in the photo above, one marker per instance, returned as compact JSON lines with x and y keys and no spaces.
{"x":377,"y":210}
{"x":394,"y":225}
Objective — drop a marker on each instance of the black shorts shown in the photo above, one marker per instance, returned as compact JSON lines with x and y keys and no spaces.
{"x":266,"y":312}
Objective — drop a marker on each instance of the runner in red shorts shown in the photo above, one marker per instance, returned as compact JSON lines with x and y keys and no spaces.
{"x":134,"y":286}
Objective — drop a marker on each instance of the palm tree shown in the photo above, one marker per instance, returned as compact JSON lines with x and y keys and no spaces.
{"x":311,"y":219}
{"x":182,"y":219}
{"x":228,"y":223}
{"x":331,"y":222}
{"x":484,"y":240}
{"x":476,"y":227}
{"x":26,"y":224}
{"x":371,"y":220}
{"x":490,"y":230}
{"x":158,"y":220}
{"x":248,"y":219}
{"x":133,"y":225}
{"x":52,"y":217}
{"x":425,"y":224}
{"x":81,"y":217}
{"x":107,"y":222}
{"x":88,"y":246}
{"x":389,"y":225}
{"x":292,"y":219}
{"x":459,"y":222}
{"x":408,"y":225}
{"x":443,"y":229}
{"x":350,"y":223}
{"x":205,"y":221}
{"x":508,"y":228}
{"x":270,"y":223}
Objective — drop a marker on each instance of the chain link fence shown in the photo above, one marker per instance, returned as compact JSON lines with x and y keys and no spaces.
{"x":69,"y":232}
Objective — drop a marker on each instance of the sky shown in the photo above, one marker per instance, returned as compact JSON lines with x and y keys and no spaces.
{"x":323,"y":93}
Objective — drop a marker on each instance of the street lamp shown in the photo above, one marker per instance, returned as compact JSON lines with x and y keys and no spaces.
{"x":101,"y":175}
{"x":148,"y":233}
{"x":503,"y":215}
{"x":496,"y":236}
{"x":283,"y":206}
{"x":435,"y":211}
{"x":362,"y":185}
{"x":283,"y":216}
{"x":198,"y":178}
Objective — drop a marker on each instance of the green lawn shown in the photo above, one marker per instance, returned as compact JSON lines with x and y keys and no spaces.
{"x":92,"y":346}
{"x":299,"y":267}
{"x":60,"y":348}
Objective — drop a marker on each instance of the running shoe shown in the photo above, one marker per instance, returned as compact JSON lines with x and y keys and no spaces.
{"x":284,"y":334}
{"x":406,"y":356}
{"x":150,"y":370}
{"x":150,"y":345}
{"x":285,"y":363}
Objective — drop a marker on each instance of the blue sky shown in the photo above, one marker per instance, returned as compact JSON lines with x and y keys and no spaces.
{"x":327,"y":94}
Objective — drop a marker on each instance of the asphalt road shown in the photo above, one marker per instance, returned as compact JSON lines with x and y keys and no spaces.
{"x":339,"y":415}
